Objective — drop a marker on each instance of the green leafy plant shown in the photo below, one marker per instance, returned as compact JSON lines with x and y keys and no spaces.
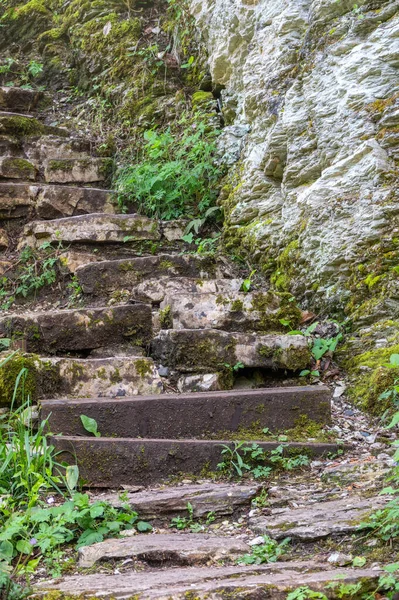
{"x":247,"y":283}
{"x":268,"y":552}
{"x":90,"y":425}
{"x":189,"y":522}
{"x":305,"y":593}
{"x":234,"y":368}
{"x":33,"y":270}
{"x":240,"y":458}
{"x":176,"y":175}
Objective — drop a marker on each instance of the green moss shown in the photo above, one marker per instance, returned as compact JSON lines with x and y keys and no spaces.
{"x":115,"y":376}
{"x":60,"y":165}
{"x":165,"y":318}
{"x":237,"y":306}
{"x":28,"y":384}
{"x":20,"y":126}
{"x":19,"y":168}
{"x":371,"y":378}
{"x":144,"y":367}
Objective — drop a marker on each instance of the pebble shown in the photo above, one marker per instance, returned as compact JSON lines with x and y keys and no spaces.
{"x":340,"y":559}
{"x":256,"y":541}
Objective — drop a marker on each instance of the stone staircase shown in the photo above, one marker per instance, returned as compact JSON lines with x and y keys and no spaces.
{"x":151,"y":354}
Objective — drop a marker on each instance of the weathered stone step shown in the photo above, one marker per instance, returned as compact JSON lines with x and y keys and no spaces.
{"x":69,"y":170}
{"x":318,"y":520}
{"x":92,"y":229}
{"x":166,"y":502}
{"x":21,"y":100}
{"x":155,"y":290}
{"x":195,"y":414}
{"x":81,"y":330}
{"x":114,"y":377}
{"x":112,"y":462}
{"x":256,"y":582}
{"x":17,"y":168}
{"x":52,"y":201}
{"x":207,"y":350}
{"x":257,"y":311}
{"x":167,"y":549}
{"x":25,"y":126}
{"x":138,"y":274}
{"x":40,"y":149}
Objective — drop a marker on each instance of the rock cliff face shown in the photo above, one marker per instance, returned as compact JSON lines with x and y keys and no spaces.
{"x":311,"y":102}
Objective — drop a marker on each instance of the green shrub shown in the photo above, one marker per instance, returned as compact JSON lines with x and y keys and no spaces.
{"x":176,"y":176}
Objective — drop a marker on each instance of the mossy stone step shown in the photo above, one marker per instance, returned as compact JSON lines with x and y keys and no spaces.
{"x":80,"y":330}
{"x":98,"y":228}
{"x":84,"y":170}
{"x":113,"y":462}
{"x":16,"y":99}
{"x":116,"y":377}
{"x":233,"y":311}
{"x":103,"y":278}
{"x":25,"y":126}
{"x":52,"y":201}
{"x":12,"y":167}
{"x":207,"y":350}
{"x":193,"y":415}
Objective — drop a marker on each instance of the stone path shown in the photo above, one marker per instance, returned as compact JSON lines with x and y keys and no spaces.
{"x":150,"y":352}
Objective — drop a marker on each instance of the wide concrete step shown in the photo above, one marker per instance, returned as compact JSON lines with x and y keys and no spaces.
{"x":207,"y":350}
{"x":193,"y":414}
{"x":69,"y":170}
{"x":115,"y":377}
{"x":52,"y":201}
{"x":24,"y":126}
{"x":81,"y":330}
{"x":232,"y":311}
{"x":16,"y":99}
{"x":112,"y":462}
{"x":145,"y":276}
{"x":92,"y":229}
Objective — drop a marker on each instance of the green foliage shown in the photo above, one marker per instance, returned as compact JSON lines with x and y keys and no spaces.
{"x":320,"y":346}
{"x":384,"y":523}
{"x":268,"y":552}
{"x":41,"y":531}
{"x":247,"y":283}
{"x":176,"y":176}
{"x":305,"y":593}
{"x":33,"y":270}
{"x":90,"y":425}
{"x":240,"y":458}
{"x":182,"y":523}
{"x":75,"y":290}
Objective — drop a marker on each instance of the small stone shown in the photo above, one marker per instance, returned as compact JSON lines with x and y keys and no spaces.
{"x":340,"y":559}
{"x":163,"y":371}
{"x":256,"y":541}
{"x":4,"y":241}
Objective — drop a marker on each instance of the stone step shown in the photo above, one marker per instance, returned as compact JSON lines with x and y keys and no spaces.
{"x":17,"y":168}
{"x":114,"y":377}
{"x":45,"y":147}
{"x":207,"y":350}
{"x":21,"y":100}
{"x":22,"y":127}
{"x":80,"y":330}
{"x":319,"y":520}
{"x":52,"y":201}
{"x":163,"y":503}
{"x":68,"y":170}
{"x":166,"y":549}
{"x":233,"y":311}
{"x":257,"y":582}
{"x":194,"y":415}
{"x":136,"y":274}
{"x":155,"y":290}
{"x":113,"y":462}
{"x":92,"y":229}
